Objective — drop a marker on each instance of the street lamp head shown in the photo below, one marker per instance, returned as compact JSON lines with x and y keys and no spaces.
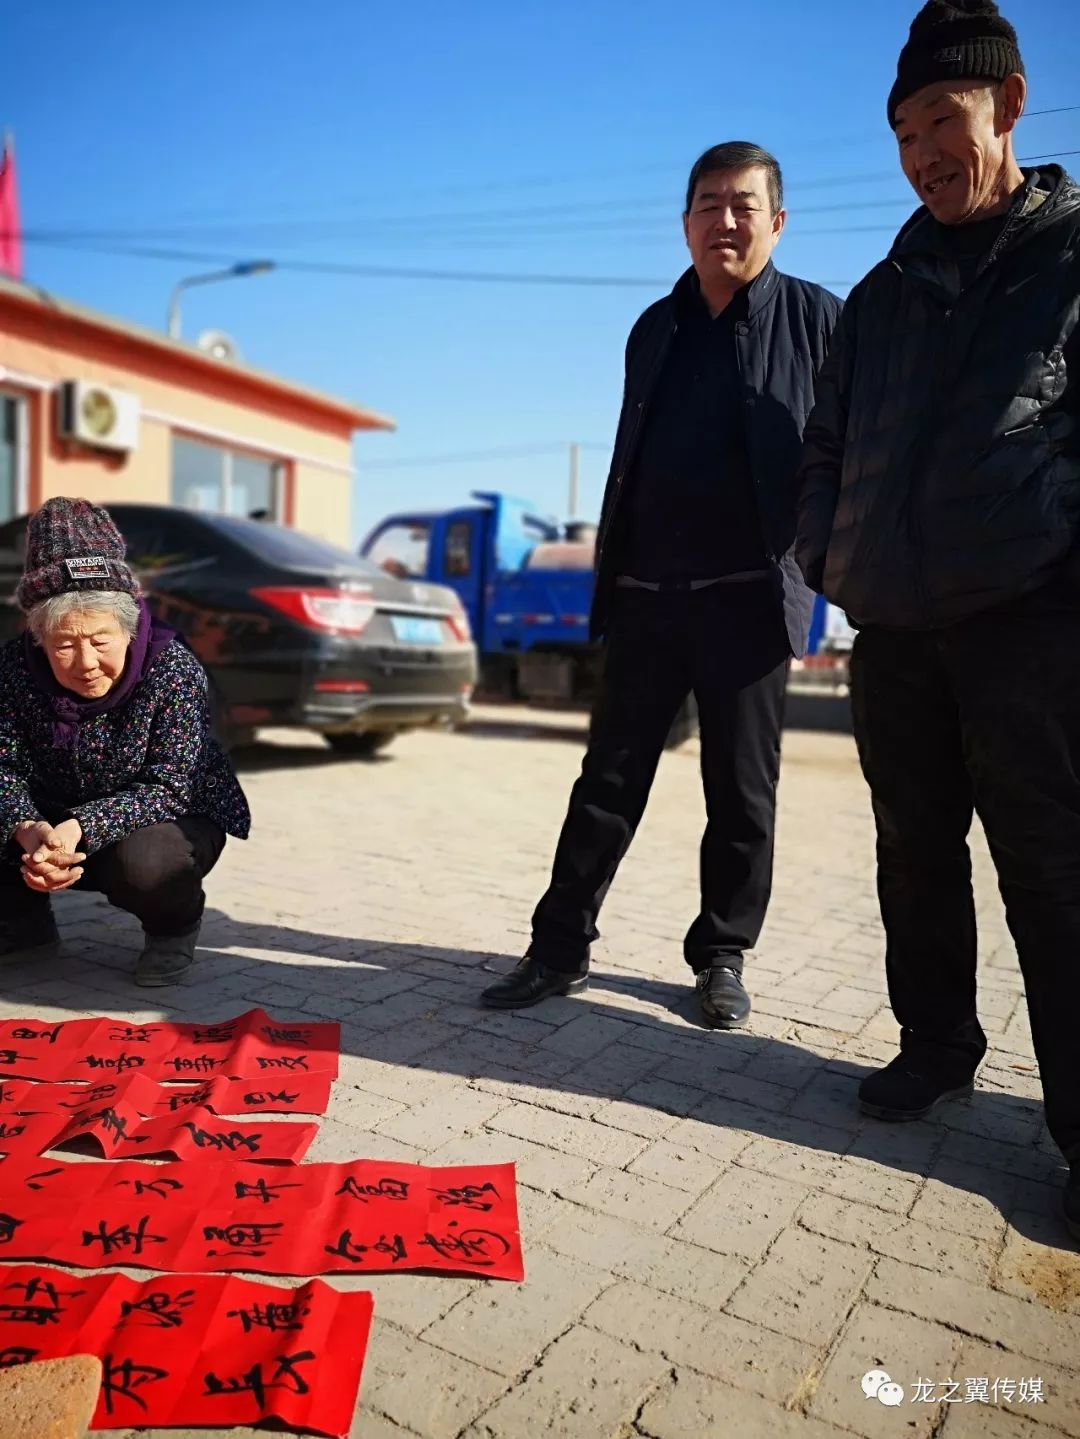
{"x":253,"y":267}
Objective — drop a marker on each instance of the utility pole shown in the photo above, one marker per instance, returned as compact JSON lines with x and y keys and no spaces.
{"x":575,"y":463}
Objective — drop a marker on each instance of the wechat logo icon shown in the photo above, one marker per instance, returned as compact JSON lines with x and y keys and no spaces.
{"x":876,"y":1384}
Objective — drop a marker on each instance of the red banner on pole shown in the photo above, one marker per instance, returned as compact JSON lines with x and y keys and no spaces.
{"x":361,"y":1217}
{"x":195,"y":1349}
{"x":10,"y":233}
{"x":253,"y":1045}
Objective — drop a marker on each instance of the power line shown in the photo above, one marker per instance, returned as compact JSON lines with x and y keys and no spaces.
{"x":498,"y":218}
{"x":386,"y":272}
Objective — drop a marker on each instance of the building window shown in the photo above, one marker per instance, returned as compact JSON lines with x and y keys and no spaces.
{"x":213,"y":477}
{"x":12,"y":456}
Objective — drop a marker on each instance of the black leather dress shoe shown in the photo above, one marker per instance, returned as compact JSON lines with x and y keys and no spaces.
{"x":531,"y":982}
{"x":904,"y":1091}
{"x":724,"y":1002}
{"x":1072,"y":1200}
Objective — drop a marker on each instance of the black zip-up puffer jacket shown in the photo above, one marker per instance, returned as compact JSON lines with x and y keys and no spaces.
{"x":941,"y":469}
{"x":781,"y":345}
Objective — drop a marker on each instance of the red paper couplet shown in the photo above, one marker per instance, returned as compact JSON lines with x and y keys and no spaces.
{"x":302,"y":1094}
{"x":359,"y":1218}
{"x":253,"y":1045}
{"x":116,"y":1126}
{"x":195,"y":1349}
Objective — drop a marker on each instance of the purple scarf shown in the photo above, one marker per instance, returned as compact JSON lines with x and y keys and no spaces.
{"x":151,"y":637}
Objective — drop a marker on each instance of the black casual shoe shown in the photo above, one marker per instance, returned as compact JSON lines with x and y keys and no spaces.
{"x":29,"y":937}
{"x":165,"y":959}
{"x":723,"y":1001}
{"x":531,"y":982}
{"x":903,"y":1091}
{"x":1072,"y":1200}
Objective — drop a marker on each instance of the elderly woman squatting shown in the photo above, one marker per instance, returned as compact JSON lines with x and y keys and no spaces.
{"x":109,"y":776}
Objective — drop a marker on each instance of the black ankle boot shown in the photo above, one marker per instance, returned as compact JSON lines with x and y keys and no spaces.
{"x":531,"y":982}
{"x":29,"y":936}
{"x":909,"y":1089}
{"x":723,"y":1001}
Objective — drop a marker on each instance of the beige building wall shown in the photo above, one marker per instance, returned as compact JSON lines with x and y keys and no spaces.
{"x":180,"y":391}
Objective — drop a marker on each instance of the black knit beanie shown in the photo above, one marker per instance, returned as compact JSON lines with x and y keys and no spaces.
{"x":72,"y":545}
{"x":955,"y":40}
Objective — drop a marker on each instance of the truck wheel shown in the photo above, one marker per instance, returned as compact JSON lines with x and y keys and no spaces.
{"x":360,"y":746}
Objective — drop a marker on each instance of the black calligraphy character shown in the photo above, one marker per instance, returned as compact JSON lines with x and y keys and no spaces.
{"x":10,"y":1131}
{"x":42,"y":1174}
{"x":14,"y":1356}
{"x":284,"y":1061}
{"x":286,"y":1376}
{"x":122,"y":1237}
{"x":250,"y":1239}
{"x":132,"y":1034}
{"x":40,"y":1303}
{"x":267,"y":1193}
{"x":232,"y":1141}
{"x":187,"y":1097}
{"x":112,"y":1123}
{"x":395,"y":1189}
{"x":196,"y":1064}
{"x":93,"y":1094}
{"x":8,"y":1226}
{"x":9,"y":1058}
{"x":49,"y":1035}
{"x":215,"y":1034}
{"x":6,"y":1094}
{"x":348,"y":1248}
{"x":273,"y":1317}
{"x":119,"y":1062}
{"x":162,"y":1188}
{"x":159,"y":1309}
{"x":258,"y":1099}
{"x":124,"y":1380}
{"x":479,"y":1247}
{"x":286,"y":1036}
{"x":469,"y":1196}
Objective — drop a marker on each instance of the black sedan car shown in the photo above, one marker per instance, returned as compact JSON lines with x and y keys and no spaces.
{"x":290,"y":629}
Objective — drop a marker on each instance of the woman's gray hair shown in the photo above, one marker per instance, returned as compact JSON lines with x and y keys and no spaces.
{"x":49,"y":614}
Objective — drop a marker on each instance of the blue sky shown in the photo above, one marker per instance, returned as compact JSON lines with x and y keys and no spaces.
{"x":539,"y":139}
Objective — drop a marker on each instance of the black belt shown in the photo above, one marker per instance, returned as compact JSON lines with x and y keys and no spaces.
{"x":628,"y":582}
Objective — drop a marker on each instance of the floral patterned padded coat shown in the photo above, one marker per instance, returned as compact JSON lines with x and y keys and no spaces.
{"x":151,"y":760}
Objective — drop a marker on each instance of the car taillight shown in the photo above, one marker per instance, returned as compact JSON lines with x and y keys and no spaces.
{"x":339,"y":612}
{"x":458,"y":620}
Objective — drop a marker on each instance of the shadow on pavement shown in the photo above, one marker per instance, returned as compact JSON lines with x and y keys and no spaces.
{"x":414,"y":1008}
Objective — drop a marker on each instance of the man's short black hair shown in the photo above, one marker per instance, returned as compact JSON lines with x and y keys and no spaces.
{"x":739,"y":155}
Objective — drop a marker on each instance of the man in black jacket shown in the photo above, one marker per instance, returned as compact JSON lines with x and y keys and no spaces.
{"x":940,"y":506}
{"x":696,"y":589}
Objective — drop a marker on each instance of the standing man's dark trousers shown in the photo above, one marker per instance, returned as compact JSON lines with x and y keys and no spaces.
{"x":726,"y":644}
{"x":156,"y":874}
{"x":981,"y":717}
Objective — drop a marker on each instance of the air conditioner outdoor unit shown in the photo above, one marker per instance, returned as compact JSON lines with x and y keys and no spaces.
{"x":99,"y":415}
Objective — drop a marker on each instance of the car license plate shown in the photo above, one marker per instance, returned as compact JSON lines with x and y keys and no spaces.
{"x":412,"y":631}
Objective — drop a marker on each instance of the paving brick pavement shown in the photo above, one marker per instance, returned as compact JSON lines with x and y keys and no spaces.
{"x":716,"y":1243}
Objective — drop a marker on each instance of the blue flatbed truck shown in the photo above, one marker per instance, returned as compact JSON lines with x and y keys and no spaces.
{"x":526,"y":583}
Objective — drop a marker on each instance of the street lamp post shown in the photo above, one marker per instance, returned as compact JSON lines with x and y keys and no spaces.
{"x":245,"y":267}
